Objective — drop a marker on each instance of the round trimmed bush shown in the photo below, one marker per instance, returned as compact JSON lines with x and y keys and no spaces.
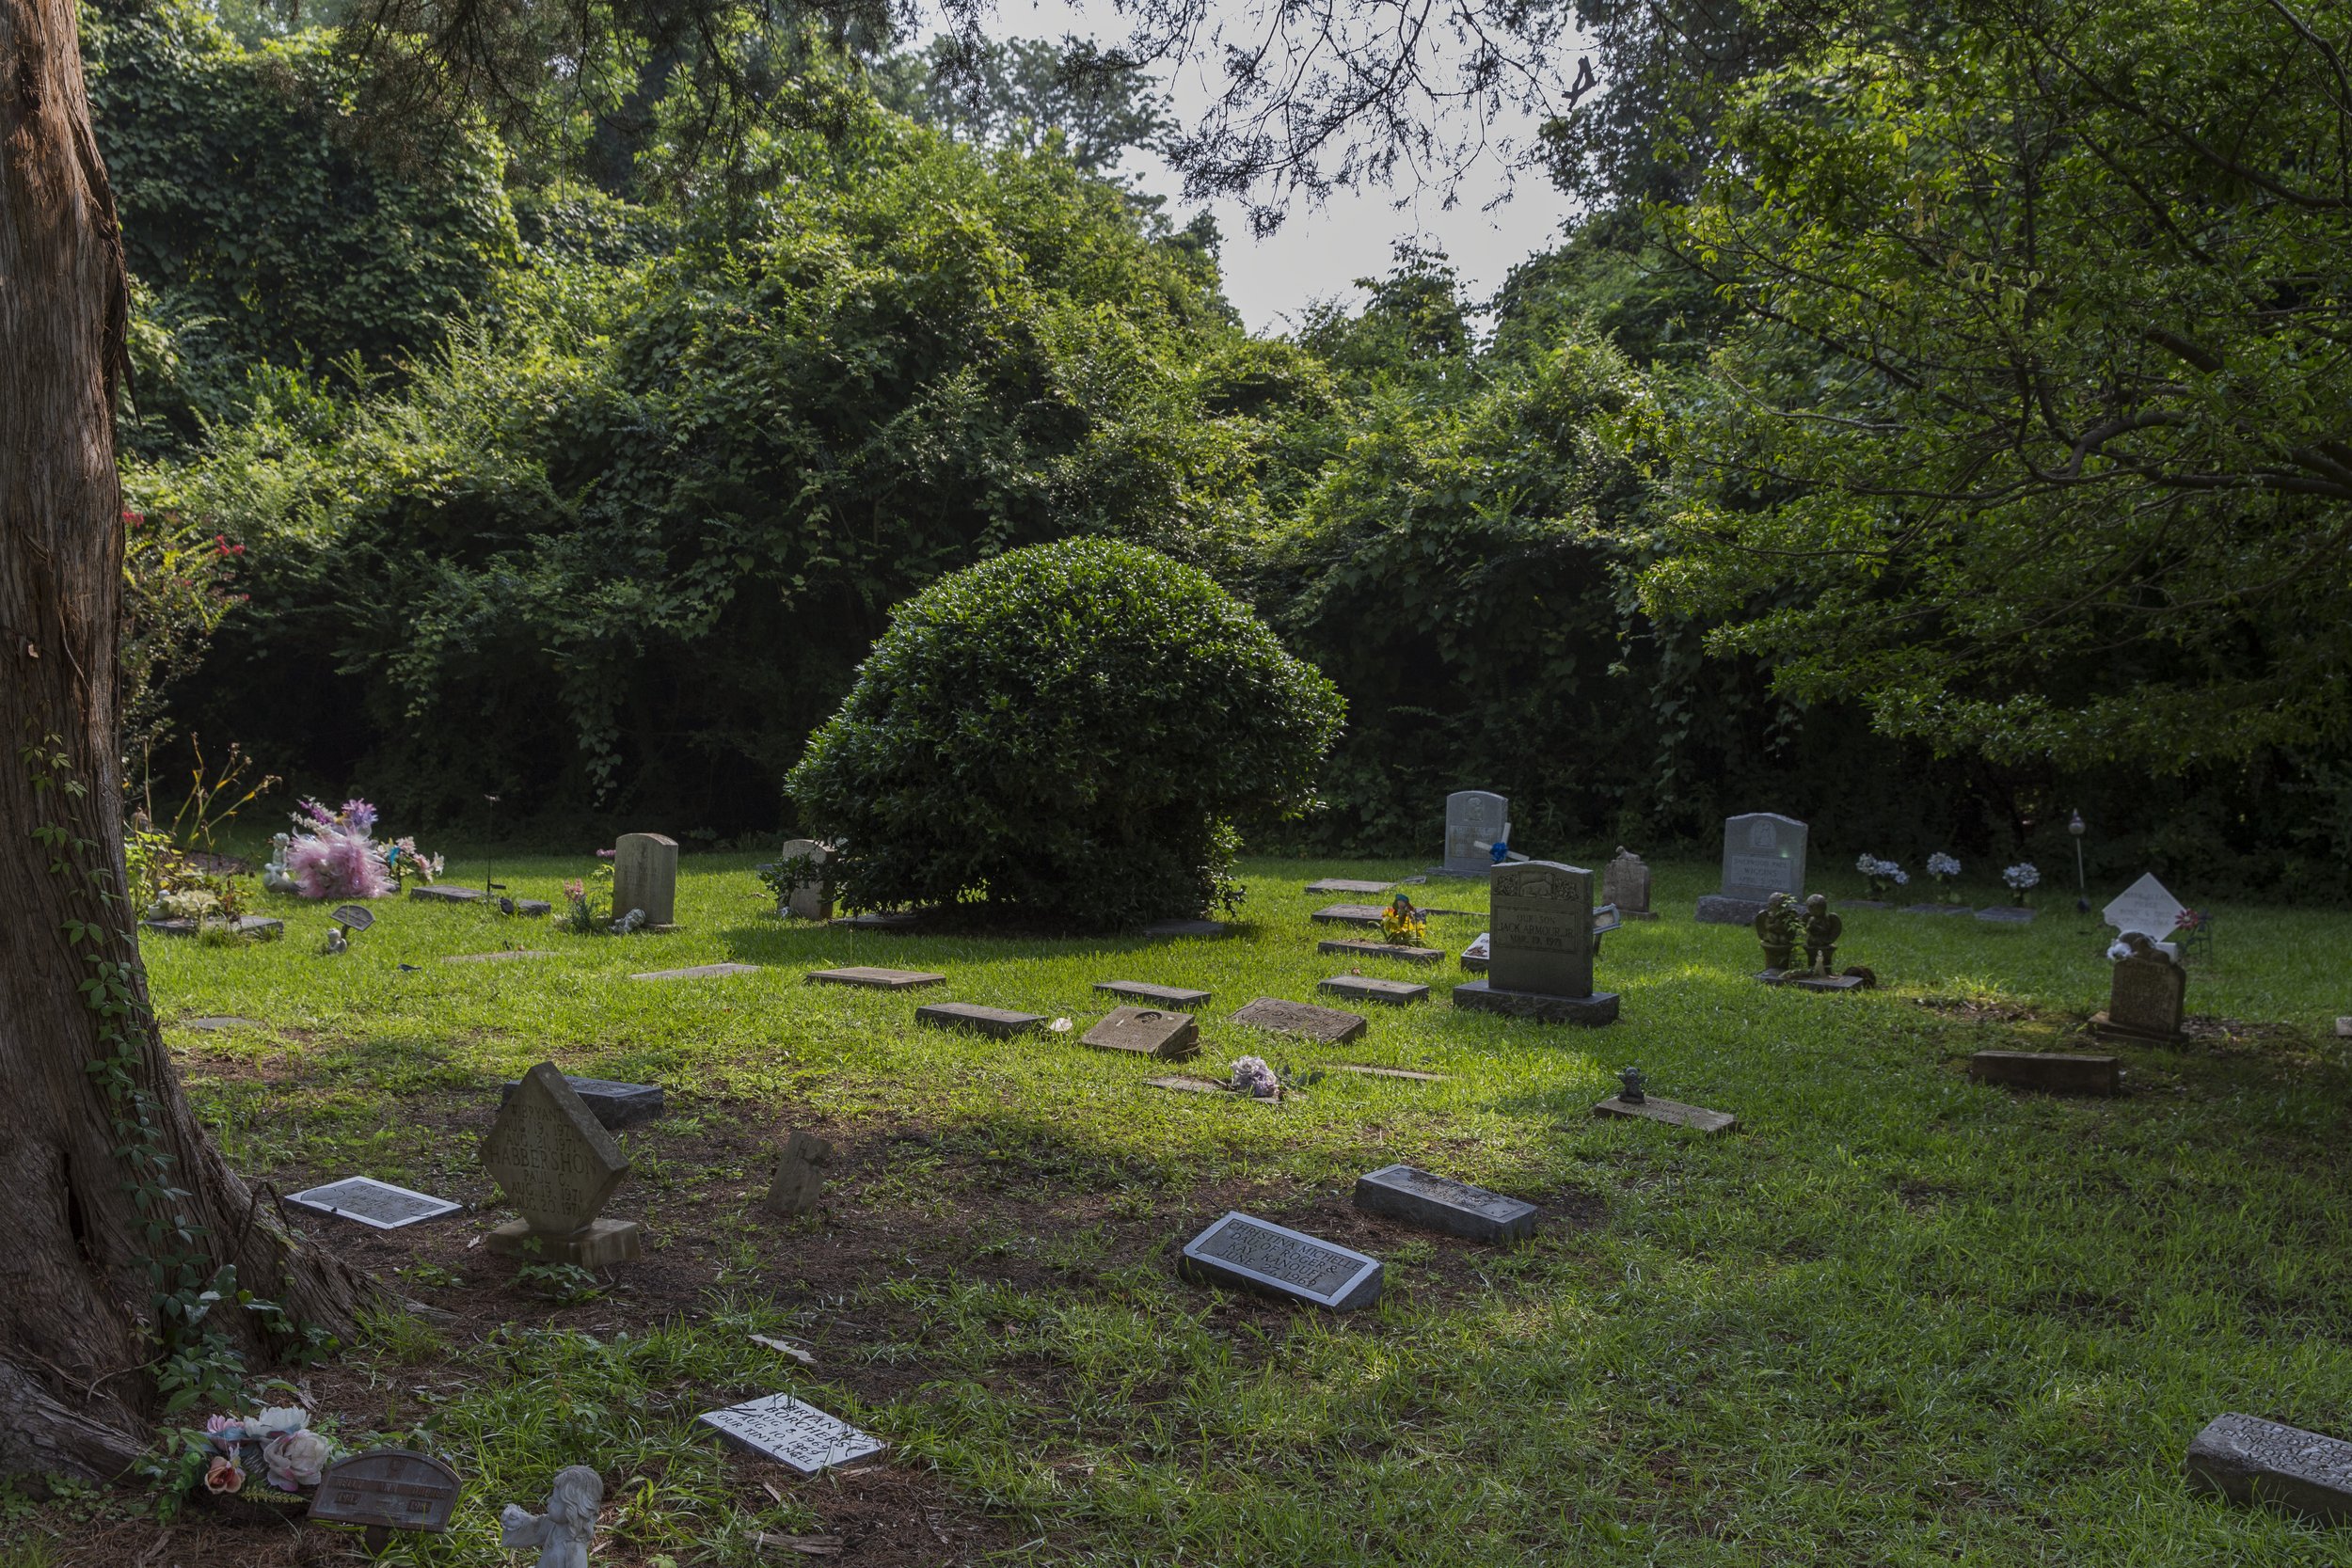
{"x":1075,"y":732}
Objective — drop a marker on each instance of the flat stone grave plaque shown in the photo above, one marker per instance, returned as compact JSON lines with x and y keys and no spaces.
{"x":529,"y":909}
{"x":1328,"y":1024}
{"x":261,"y":926}
{"x":1341,"y":884}
{"x":1348,"y":914}
{"x":1673,"y":1113}
{"x":213,"y":1025}
{"x":1381,"y":950}
{"x":378,"y":1205}
{"x":1177,"y":997}
{"x":555,"y":1162}
{"x":799,"y":1185}
{"x":1933,"y":909}
{"x":1437,"y":1202}
{"x":799,"y":1436}
{"x":1474,"y":956}
{"x":999,"y":1024}
{"x":644,"y":876}
{"x":615,"y":1105}
{"x":875,"y":979}
{"x":1274,"y":1260}
{"x":2054,"y":1072}
{"x":1185,"y":1084}
{"x":1191,"y":929}
{"x":1414,"y":1075}
{"x":1474,"y":818}
{"x":699,"y":972}
{"x":2007,"y":915}
{"x":1364,"y":987}
{"x":441,"y":892}
{"x":1865,"y":904}
{"x":2145,"y":906}
{"x":510,"y":956}
{"x":882,"y":920}
{"x":2249,"y":1460}
{"x":385,"y":1490}
{"x":2343,"y":1028}
{"x":1147,"y":1032}
{"x":1799,"y":980}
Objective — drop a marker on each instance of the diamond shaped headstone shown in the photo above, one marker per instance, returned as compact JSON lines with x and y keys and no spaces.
{"x":550,"y":1156}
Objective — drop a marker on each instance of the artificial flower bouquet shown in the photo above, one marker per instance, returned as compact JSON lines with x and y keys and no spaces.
{"x":335,"y":854}
{"x":273,"y":1458}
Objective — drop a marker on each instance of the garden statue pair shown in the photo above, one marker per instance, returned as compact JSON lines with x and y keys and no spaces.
{"x":1779,"y":926}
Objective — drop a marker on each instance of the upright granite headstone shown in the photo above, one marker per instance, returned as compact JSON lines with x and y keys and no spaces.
{"x":1539,"y":948}
{"x":2144,"y":994}
{"x":810,"y":898}
{"x":1763,"y":854}
{"x":644,"y":876}
{"x":555,"y":1162}
{"x":798,"y":1185}
{"x":1625,"y":882}
{"x":1473,"y":817}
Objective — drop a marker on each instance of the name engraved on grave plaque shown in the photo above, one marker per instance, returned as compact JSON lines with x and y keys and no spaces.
{"x":1294,"y":1260}
{"x":1446,"y":1190}
{"x":793,"y":1433}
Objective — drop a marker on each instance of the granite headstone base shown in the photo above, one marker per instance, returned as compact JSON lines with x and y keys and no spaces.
{"x":615,"y":1105}
{"x":2107,"y":1028}
{"x":2249,"y":1460}
{"x":1592,"y":1011}
{"x":592,"y":1246}
{"x":1722,"y":909}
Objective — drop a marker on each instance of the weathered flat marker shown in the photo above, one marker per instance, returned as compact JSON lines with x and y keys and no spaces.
{"x":1673,"y":1113}
{"x":874,"y":980}
{"x":1437,"y":1202}
{"x":2007,"y":915}
{"x":2249,"y":1460}
{"x":1171,"y":1036}
{"x":258,"y":926}
{"x":1328,"y":1024}
{"x":2053,"y":1071}
{"x":1274,"y":1260}
{"x":387,"y":1489}
{"x":441,"y":892}
{"x":1341,"y":884}
{"x":1191,"y":929}
{"x":699,"y":972}
{"x":378,"y":1205}
{"x":799,"y":1436}
{"x":1810,"y":982}
{"x":1178,"y":997}
{"x":881,"y":920}
{"x":1364,"y":987}
{"x":614,"y":1104}
{"x":1348,"y":914}
{"x":1389,"y":1072}
{"x":512,"y":955}
{"x":2343,"y":1028}
{"x":1185,"y":1084}
{"x":213,"y":1025}
{"x":1381,"y":950}
{"x":997,"y":1023}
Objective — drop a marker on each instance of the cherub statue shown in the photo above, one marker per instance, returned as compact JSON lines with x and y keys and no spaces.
{"x":567,"y":1530}
{"x":1822,"y":930}
{"x":1776,"y":928}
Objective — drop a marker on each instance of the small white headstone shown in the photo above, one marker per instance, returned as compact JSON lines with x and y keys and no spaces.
{"x":2145,"y":906}
{"x":792,"y":1434}
{"x":373,"y":1203}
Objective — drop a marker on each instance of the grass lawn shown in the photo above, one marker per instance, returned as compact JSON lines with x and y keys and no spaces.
{"x":1893,"y":1319}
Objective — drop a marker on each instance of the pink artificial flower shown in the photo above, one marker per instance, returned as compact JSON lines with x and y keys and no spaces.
{"x":335,"y":864}
{"x":222,"y":1475}
{"x":226,"y":1431}
{"x":574,"y":891}
{"x":297,"y":1459}
{"x":606,"y":854}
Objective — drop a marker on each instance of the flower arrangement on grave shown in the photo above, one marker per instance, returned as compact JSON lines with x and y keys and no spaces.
{"x":588,"y":902}
{"x":273,"y":1457}
{"x":1252,"y":1077}
{"x":1885,"y":875}
{"x":1944,"y":867}
{"x":2189,"y":922}
{"x":2021,"y":878}
{"x":1404,"y":925}
{"x":334,"y":854}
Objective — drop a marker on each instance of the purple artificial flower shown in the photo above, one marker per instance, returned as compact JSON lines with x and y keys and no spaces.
{"x":312,"y":814}
{"x":334,"y":864}
{"x":1252,"y":1077}
{"x":360,"y":817}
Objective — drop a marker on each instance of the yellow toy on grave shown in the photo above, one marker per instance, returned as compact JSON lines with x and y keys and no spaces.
{"x":1404,"y":925}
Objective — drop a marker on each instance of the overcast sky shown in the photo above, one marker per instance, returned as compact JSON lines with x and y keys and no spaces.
{"x":1320,"y":252}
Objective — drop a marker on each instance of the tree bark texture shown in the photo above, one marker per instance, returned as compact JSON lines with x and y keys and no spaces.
{"x":76,"y":1300}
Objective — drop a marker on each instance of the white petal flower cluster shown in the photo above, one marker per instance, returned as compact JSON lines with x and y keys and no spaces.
{"x":2022,"y":876}
{"x":1884,"y":871}
{"x":1942,"y":864}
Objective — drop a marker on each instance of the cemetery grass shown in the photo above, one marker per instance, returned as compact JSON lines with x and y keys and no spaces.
{"x":1894,"y":1317}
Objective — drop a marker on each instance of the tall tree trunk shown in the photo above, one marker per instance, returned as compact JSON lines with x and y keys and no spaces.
{"x":78,"y":1303}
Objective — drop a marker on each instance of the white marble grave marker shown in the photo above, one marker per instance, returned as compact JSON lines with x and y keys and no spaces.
{"x":797,"y":1436}
{"x":378,"y":1204}
{"x":2145,"y":906}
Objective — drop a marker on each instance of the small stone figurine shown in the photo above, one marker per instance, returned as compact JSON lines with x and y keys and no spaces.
{"x":567,"y":1530}
{"x":1777,"y":927}
{"x":1822,"y":928}
{"x":1630,"y":1087}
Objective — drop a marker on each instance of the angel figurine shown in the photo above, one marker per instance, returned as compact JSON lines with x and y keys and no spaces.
{"x":567,"y":1530}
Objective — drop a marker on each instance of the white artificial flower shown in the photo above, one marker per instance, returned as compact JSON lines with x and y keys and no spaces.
{"x":2022,"y":876}
{"x":1942,"y":864}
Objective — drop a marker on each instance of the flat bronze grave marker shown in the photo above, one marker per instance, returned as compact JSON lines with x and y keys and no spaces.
{"x":1328,"y":1024}
{"x":2249,"y":1460}
{"x":1275,"y":1260}
{"x":1417,"y":1077}
{"x":1341,"y":884}
{"x":385,"y":1490}
{"x":2054,"y":1072}
{"x":1348,"y":914}
{"x":874,"y":980}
